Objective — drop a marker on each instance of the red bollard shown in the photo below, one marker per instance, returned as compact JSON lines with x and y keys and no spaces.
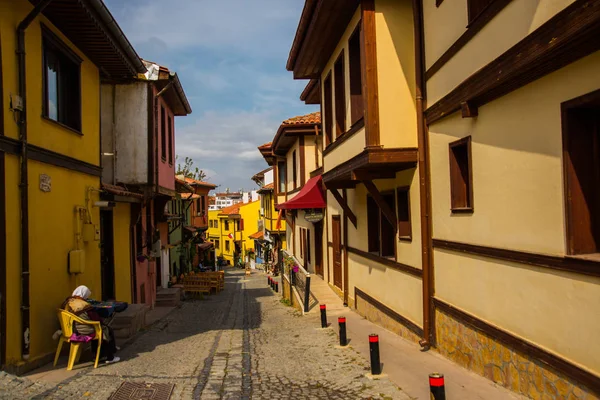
{"x":276,"y":287}
{"x":436,"y":386}
{"x":323,"y":315}
{"x":374,"y":350}
{"x":343,"y":338}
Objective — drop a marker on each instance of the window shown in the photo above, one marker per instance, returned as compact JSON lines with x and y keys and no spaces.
{"x":216,"y":243}
{"x":328,"y":104}
{"x":301,"y":232}
{"x":241,"y":227}
{"x":227,"y":248}
{"x":170,"y":138}
{"x":226,"y":225}
{"x":340,"y":96}
{"x":61,"y":82}
{"x":202,"y":204}
{"x":461,"y":179}
{"x":476,"y":7}
{"x":210,"y":223}
{"x":216,"y":223}
{"x":237,"y":225}
{"x":581,"y":141}
{"x":381,"y":235}
{"x":403,"y":203}
{"x":163,"y":134}
{"x":357,"y":106}
{"x":281,"y":176}
{"x":294,"y":169}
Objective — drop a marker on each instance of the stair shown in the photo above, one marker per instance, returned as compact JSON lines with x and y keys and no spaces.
{"x":129,"y":322}
{"x":170,"y":297}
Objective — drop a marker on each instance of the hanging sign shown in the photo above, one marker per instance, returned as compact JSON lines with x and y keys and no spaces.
{"x":313,"y":216}
{"x":45,"y":183}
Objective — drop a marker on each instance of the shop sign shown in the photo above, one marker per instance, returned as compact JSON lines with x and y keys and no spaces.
{"x":313,"y":216}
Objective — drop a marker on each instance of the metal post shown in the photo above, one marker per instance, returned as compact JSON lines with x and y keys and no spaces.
{"x":307,"y":294}
{"x":276,"y":287}
{"x":374,"y":350}
{"x":436,"y":386}
{"x":323,"y":308}
{"x":343,"y":338}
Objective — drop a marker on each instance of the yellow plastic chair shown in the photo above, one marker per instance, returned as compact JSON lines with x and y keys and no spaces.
{"x":66,"y":320}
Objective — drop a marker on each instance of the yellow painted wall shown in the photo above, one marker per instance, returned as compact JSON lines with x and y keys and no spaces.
{"x":345,"y":151}
{"x":518,"y":205}
{"x":122,"y":249}
{"x":13,"y":260}
{"x":523,"y":17}
{"x":517,"y":165}
{"x":250,"y":214}
{"x":42,"y":132}
{"x":443,"y":25}
{"x":52,"y":216}
{"x":396,"y":73}
{"x":52,"y":227}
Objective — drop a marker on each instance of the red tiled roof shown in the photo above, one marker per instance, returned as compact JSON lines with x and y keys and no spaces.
{"x":265,"y":146}
{"x":120,"y":191}
{"x":266,"y":188}
{"x":257,"y":235}
{"x":191,"y":181}
{"x":312,"y":118}
{"x":231,"y":210}
{"x":187,"y":196}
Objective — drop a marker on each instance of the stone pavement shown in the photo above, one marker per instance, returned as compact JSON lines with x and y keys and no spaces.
{"x":240,"y":344}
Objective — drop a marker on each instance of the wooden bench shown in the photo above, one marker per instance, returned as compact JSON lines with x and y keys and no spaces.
{"x":196,"y":285}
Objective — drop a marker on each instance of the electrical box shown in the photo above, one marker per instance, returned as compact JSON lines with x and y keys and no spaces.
{"x":76,"y":261}
{"x":16,"y":102}
{"x":91,"y":232}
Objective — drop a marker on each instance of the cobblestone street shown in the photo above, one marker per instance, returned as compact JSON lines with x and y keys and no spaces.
{"x":240,"y":344}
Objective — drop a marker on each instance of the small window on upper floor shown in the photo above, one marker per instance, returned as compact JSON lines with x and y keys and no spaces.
{"x":61,"y":82}
{"x":328,"y":104}
{"x":476,"y":7}
{"x":461,"y":176}
{"x":380,"y":233}
{"x":340,"y":96}
{"x":163,"y":134}
{"x":226,"y":225}
{"x":216,"y":243}
{"x":281,"y":176}
{"x":357,"y":106}
{"x":294,"y":169}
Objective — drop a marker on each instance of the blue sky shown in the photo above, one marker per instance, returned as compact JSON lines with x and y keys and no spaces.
{"x":230,"y":56}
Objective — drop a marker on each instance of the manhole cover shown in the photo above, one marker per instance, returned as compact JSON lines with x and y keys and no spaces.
{"x":143,"y":391}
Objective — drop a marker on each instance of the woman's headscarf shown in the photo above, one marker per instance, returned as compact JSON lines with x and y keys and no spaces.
{"x":82,"y":291}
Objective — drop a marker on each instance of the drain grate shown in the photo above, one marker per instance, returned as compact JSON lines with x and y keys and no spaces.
{"x":143,"y":391}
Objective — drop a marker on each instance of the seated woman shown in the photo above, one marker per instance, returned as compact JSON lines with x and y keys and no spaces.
{"x":77,"y":304}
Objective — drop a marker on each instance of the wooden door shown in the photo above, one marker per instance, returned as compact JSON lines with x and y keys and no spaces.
{"x":319,"y":248}
{"x":336,"y":233}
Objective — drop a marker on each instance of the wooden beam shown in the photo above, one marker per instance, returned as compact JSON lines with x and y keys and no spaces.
{"x":369,"y":73}
{"x":342,"y":202}
{"x":371,"y":175}
{"x":383,"y":206}
{"x":468,"y":109}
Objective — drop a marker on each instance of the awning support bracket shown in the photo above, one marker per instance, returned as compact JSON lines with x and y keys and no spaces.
{"x":344,"y":204}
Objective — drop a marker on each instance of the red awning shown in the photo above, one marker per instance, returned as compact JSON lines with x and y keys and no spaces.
{"x":205,"y":246}
{"x":310,"y":196}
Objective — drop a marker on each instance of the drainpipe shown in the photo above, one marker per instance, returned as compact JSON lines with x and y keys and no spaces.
{"x":24,"y":182}
{"x":424,"y":181}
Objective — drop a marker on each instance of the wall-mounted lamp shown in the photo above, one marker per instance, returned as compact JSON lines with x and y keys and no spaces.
{"x":105,"y":204}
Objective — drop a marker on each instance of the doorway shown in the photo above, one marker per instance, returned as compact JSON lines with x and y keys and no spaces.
{"x":581,"y":145}
{"x":319,"y":248}
{"x":158,"y":272}
{"x":107,"y":255}
{"x":336,"y":233}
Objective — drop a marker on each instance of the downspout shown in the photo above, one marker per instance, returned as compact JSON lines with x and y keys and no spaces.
{"x":24,"y":182}
{"x":424,"y":181}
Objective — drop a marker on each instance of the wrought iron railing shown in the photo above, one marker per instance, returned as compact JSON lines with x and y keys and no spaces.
{"x":299,"y":277}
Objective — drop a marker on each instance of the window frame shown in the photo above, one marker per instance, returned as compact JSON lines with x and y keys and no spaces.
{"x":51,"y":42}
{"x":163,"y":134}
{"x":355,"y":76}
{"x":455,"y":170}
{"x":281,"y":175}
{"x":328,"y":105}
{"x":339,"y":83}
{"x":380,"y":221}
{"x":294,"y":169}
{"x":404,"y":189}
{"x":227,"y":246}
{"x":217,"y":244}
{"x":170,"y":138}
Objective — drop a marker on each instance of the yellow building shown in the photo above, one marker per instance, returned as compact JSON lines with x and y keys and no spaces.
{"x":230,"y":229}
{"x":461,"y":160}
{"x":50,"y":163}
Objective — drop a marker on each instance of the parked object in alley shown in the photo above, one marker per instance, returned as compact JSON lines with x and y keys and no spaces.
{"x":343,"y":337}
{"x":67,"y":321}
{"x":374,"y":350}
{"x":323,"y":308}
{"x":437,"y":387}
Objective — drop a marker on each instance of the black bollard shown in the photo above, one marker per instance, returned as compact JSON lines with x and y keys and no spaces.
{"x":276,"y":287}
{"x":323,"y":316}
{"x":343,"y":338}
{"x":436,"y":386}
{"x":374,"y":350}
{"x":268,"y":280}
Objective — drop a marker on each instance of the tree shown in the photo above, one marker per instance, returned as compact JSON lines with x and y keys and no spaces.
{"x":188,"y":170}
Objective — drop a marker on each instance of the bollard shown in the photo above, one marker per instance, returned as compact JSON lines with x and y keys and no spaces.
{"x":343,"y":338}
{"x":323,"y":315}
{"x":276,"y":287}
{"x":436,"y":386}
{"x":374,"y":350}
{"x":268,"y":280}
